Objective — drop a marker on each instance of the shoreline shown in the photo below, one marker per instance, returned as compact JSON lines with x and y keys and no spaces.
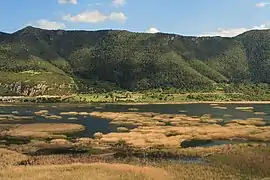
{"x":145,"y":103}
{"x":10,"y":103}
{"x":194,"y":102}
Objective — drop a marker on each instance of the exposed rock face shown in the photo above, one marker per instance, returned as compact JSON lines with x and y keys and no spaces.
{"x":26,"y":90}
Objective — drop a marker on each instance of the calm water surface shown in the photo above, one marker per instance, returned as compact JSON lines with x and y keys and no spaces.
{"x":93,"y":124}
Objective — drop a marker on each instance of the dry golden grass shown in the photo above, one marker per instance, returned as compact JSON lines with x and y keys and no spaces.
{"x":53,"y":117}
{"x":23,"y":117}
{"x":11,"y":117}
{"x":96,"y":171}
{"x":41,"y":112}
{"x":6,"y":115}
{"x":226,"y":162}
{"x":259,"y":113}
{"x":146,"y":119}
{"x":219,"y":107}
{"x":84,"y":142}
{"x":199,"y":172}
{"x":9,"y":158}
{"x":6,"y":105}
{"x":241,"y":161}
{"x":133,"y":109}
{"x":39,"y":146}
{"x":98,"y":135}
{"x":43,"y":129}
{"x":170,"y":130}
{"x":122,"y":129}
{"x":250,"y":121}
{"x":59,"y":141}
{"x":244,"y":108}
{"x":139,"y":139}
{"x":69,"y":113}
{"x":83,"y":113}
{"x":72,"y":118}
{"x":227,"y":115}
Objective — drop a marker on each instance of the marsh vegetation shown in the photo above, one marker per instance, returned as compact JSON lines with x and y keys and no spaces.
{"x":135,"y":141}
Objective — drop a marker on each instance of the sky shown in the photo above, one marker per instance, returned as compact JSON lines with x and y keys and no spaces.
{"x":186,"y":17}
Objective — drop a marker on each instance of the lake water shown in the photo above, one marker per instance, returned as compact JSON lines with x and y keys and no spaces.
{"x":226,"y":112}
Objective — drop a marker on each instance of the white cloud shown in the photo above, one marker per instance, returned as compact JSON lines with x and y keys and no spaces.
{"x":262,"y":4}
{"x":67,"y":1}
{"x":120,"y":16}
{"x":87,"y":17}
{"x":95,"y":17}
{"x":119,"y":3}
{"x":152,"y":30}
{"x":234,"y":31}
{"x":50,"y":25}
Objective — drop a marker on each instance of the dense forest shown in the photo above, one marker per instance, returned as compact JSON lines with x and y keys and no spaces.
{"x":36,"y":61}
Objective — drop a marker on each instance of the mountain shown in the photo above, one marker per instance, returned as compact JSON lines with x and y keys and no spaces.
{"x":35,"y":61}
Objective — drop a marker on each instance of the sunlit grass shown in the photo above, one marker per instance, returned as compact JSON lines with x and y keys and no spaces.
{"x":72,"y":118}
{"x":97,"y":171}
{"x":41,"y":112}
{"x":250,"y":121}
{"x":83,"y":113}
{"x":16,"y":118}
{"x":43,"y":129}
{"x":259,"y":113}
{"x":133,"y":109}
{"x":244,"y":108}
{"x":53,"y":117}
{"x":9,"y":158}
{"x":219,"y":107}
{"x":69,"y":113}
{"x":122,"y":129}
{"x":170,"y":130}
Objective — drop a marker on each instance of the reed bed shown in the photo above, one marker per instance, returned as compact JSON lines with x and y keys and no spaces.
{"x":171,"y":129}
{"x":43,"y":130}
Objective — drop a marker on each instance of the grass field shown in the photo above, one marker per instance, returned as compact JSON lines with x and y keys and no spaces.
{"x":235,"y":162}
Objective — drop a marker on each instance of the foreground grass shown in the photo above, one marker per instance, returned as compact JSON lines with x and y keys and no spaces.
{"x":100,"y":171}
{"x":97,"y":171}
{"x":9,"y":158}
{"x":115,"y":171}
{"x":224,"y":162}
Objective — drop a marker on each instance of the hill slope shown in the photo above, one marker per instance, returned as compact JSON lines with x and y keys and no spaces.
{"x":35,"y":61}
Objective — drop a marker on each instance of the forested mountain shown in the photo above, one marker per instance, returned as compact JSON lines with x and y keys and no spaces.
{"x":36,"y":61}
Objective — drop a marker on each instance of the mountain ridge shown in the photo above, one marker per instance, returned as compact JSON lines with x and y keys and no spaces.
{"x":119,"y":59}
{"x":123,"y":30}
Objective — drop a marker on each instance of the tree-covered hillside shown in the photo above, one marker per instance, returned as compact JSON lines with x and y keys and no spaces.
{"x":35,"y":61}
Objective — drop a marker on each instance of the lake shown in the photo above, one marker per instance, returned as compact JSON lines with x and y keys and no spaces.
{"x":226,"y":112}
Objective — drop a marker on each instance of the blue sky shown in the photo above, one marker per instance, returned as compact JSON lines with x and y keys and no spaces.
{"x":187,"y":17}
